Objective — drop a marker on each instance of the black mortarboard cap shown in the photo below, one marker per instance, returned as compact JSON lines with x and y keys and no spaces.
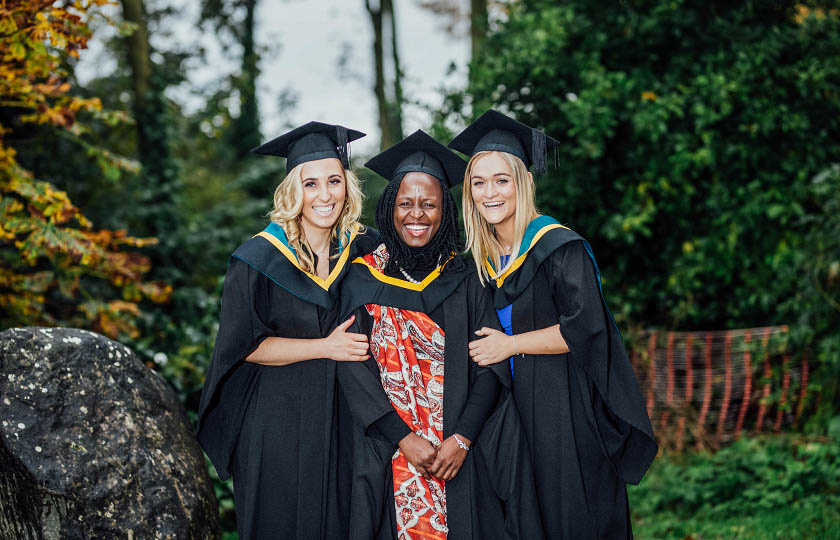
{"x":310,"y":142}
{"x":495,"y":131}
{"x":419,"y":152}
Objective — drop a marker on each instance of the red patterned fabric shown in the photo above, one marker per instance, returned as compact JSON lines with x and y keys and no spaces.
{"x":408,"y":347}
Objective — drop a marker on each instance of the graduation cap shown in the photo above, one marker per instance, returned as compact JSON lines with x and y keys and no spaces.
{"x":493,"y":131}
{"x":310,"y":142}
{"x":419,"y":152}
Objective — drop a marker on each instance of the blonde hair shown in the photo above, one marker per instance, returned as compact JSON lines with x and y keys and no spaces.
{"x":288,"y":208}
{"x":481,"y":235}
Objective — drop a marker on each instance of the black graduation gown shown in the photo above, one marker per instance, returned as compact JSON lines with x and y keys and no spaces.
{"x":493,"y":496}
{"x":283,"y":432}
{"x":586,"y":424}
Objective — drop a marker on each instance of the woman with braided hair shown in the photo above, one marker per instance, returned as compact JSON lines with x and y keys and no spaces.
{"x":410,"y":253}
{"x":439,"y":452}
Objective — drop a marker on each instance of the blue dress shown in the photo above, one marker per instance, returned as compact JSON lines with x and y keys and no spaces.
{"x":504,"y":313}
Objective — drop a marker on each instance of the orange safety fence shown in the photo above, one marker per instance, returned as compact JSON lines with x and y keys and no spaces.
{"x":705,"y":389}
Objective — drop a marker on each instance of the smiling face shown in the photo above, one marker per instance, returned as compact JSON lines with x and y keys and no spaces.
{"x":324,"y":192}
{"x":493,"y":190}
{"x":418,"y":209}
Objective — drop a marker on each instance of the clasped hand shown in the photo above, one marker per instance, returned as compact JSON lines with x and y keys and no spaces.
{"x":443,"y":462}
{"x":493,"y":348}
{"x":344,"y":346}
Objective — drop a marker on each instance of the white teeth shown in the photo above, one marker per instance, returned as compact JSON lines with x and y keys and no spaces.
{"x":324,"y":210}
{"x":417,"y":227}
{"x":493,"y":204}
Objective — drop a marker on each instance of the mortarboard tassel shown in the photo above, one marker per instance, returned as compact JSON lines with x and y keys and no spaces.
{"x":538,"y":152}
{"x":343,"y":146}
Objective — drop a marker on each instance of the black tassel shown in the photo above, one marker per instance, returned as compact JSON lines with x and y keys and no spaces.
{"x":538,"y":152}
{"x":343,"y":146}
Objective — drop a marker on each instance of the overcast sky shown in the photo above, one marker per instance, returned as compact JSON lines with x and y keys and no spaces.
{"x":303,"y":41}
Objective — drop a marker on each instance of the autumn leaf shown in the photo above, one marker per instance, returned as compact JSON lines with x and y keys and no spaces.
{"x":47,"y":245}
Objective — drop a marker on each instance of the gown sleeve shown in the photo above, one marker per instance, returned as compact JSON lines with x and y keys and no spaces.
{"x":486,"y":383}
{"x":618,"y":412}
{"x":230,"y":380}
{"x":367,"y":399}
{"x":484,"y":393}
{"x":502,"y":453}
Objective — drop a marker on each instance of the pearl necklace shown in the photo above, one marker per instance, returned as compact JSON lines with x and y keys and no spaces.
{"x":408,"y":277}
{"x":411,"y":279}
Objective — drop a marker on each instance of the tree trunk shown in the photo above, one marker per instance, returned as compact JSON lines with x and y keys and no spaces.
{"x":396,"y":105}
{"x":138,"y":56}
{"x":478,"y":26}
{"x":389,"y":95}
{"x":246,"y":128}
{"x":478,"y":38}
{"x":157,"y":188}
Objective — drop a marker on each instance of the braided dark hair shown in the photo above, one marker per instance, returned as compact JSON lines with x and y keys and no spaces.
{"x":446,"y":241}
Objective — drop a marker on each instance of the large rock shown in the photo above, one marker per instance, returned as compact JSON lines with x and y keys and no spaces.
{"x":94,"y":444}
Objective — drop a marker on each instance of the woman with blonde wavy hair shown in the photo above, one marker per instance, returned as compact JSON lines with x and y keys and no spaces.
{"x":584,"y":419}
{"x":271,"y":415}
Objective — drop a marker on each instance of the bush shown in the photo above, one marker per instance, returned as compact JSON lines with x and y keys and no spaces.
{"x":770,"y":487}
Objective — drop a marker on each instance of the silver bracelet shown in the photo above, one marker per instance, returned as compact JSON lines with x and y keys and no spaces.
{"x":461,"y":443}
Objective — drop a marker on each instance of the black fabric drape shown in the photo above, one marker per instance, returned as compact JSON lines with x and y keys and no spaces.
{"x":283,"y":432}
{"x":586,"y":424}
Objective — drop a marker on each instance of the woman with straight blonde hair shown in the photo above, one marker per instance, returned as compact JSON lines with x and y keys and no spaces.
{"x":270,"y":414}
{"x":582,"y":412}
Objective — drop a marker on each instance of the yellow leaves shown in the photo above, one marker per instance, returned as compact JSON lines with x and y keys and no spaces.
{"x":90,"y":104}
{"x":33,"y":75}
{"x":7,"y":23}
{"x":157,"y":291}
{"x":124,"y":307}
{"x":802,"y":12}
{"x":17,"y":51}
{"x":114,"y":318}
{"x":7,"y":155}
{"x":9,"y":206}
{"x":54,"y":87}
{"x":36,"y":282}
{"x":48,"y":245}
{"x":649,"y":96}
{"x":44,"y":201}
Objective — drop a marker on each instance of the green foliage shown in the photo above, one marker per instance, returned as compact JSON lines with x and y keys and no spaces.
{"x":218,"y":216}
{"x":691,"y":137}
{"x":816,"y":303}
{"x":224,"y":494}
{"x":55,"y":268}
{"x":157,"y":188}
{"x":771,"y":487}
